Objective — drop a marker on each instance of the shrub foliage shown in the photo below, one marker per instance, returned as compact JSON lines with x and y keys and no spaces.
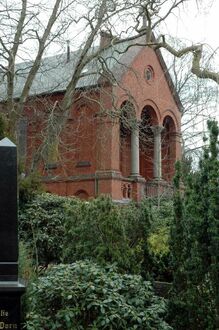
{"x":41,"y":226}
{"x":59,"y":229}
{"x":84,"y":295}
{"x":107,"y":233}
{"x":195,"y":243}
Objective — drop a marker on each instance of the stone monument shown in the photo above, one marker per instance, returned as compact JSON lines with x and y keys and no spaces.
{"x":10,"y":287}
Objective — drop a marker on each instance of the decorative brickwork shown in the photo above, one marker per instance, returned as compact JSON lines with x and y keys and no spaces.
{"x":122,"y":138}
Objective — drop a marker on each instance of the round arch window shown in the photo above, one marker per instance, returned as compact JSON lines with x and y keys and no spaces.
{"x":82,"y":194}
{"x":149,"y":74}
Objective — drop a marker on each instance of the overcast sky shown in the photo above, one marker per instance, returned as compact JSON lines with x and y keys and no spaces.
{"x":197,"y":26}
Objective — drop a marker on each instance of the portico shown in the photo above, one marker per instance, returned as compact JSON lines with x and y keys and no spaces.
{"x":147,"y":151}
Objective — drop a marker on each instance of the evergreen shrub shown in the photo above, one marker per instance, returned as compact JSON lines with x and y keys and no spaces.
{"x":29,"y":186}
{"x":107,"y":233}
{"x":84,"y":295}
{"x":158,"y":239}
{"x":194,"y":242}
{"x":60,"y":229}
{"x":41,"y":226}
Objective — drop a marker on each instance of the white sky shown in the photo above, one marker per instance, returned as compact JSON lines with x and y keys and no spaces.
{"x":198,"y":25}
{"x":194,"y":25}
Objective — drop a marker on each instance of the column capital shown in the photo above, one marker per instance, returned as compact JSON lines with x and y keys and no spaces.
{"x":157,"y":130}
{"x":135,"y":124}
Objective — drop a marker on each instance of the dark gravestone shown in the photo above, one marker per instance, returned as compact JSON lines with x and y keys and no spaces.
{"x":10,"y":287}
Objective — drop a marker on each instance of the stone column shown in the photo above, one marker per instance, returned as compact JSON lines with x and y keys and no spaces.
{"x":157,"y":130}
{"x":135,"y":151}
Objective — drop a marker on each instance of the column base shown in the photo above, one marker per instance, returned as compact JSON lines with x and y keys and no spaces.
{"x":137,"y":178}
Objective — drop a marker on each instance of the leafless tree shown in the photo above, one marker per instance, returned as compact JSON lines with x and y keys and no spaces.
{"x":199,"y":98}
{"x":30,"y":31}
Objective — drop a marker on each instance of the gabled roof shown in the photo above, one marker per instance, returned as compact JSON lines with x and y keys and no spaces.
{"x":55,"y":71}
{"x":169,"y":80}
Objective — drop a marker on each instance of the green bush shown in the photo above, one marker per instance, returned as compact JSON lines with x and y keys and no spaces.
{"x":26,"y":268}
{"x":193,"y":308}
{"x":194,"y":241}
{"x":67,"y":229}
{"x":41,"y":226}
{"x":158,"y":240}
{"x":107,"y":233}
{"x":137,"y":222}
{"x":29,"y":186}
{"x":84,"y":295}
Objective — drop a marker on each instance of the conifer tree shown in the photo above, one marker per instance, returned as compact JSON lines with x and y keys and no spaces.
{"x":195,"y":242}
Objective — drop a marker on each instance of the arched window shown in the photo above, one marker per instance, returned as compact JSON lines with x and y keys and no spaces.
{"x":82,"y":194}
{"x":168,"y":148}
{"x":146,"y":142}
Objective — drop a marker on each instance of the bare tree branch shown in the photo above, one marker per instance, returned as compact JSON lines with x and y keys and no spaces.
{"x":196,"y":51}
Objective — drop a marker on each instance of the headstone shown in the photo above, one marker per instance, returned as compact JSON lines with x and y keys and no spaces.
{"x":10,"y":287}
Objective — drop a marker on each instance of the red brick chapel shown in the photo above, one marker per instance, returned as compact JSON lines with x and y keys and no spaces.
{"x":122,"y":136}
